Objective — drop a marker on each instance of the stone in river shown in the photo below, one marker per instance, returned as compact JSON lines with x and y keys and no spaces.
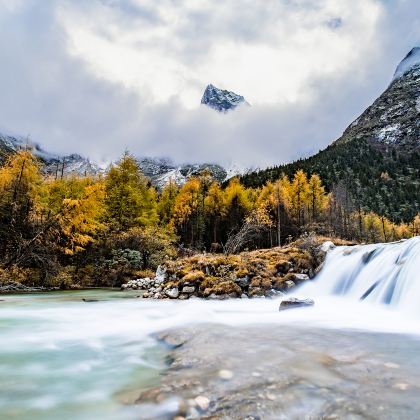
{"x":293,"y":302}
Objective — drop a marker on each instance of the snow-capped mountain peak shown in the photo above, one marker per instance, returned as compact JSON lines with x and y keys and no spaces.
{"x":221,"y":100}
{"x":411,"y":60}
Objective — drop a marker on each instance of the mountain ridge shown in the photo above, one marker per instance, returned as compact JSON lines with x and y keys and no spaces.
{"x":376,"y":161}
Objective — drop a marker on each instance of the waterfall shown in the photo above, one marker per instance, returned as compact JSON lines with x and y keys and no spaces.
{"x":379,"y":273}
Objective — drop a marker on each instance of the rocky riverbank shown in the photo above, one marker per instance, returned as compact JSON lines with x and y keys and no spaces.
{"x":16,"y":287}
{"x":261,"y":372}
{"x":264,"y":272}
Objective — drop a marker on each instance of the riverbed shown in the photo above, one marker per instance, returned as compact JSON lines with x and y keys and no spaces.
{"x":99,"y":354}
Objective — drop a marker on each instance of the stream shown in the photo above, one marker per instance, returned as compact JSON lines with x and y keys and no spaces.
{"x":355,"y":354}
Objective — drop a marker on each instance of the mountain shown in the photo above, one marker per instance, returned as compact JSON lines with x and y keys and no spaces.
{"x":377,"y":159}
{"x":221,"y":100}
{"x":159,"y":170}
{"x":53,"y":164}
{"x":393,"y":119}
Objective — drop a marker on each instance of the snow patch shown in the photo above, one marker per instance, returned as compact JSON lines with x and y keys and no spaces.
{"x":411,"y":60}
{"x":389,"y":134}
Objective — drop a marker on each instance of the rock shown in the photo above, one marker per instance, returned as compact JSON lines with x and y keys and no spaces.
{"x":293,"y":302}
{"x":242,"y":282}
{"x":172,"y":293}
{"x":183,"y":296}
{"x":289,"y":284}
{"x":188,"y":289}
{"x":327,"y":246}
{"x":202,"y":402}
{"x":283,"y":266}
{"x":225,"y":374}
{"x":160,"y":274}
{"x":299,"y":278}
{"x":318,"y":269}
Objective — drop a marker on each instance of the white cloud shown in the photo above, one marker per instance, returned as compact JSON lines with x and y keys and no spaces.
{"x":269,"y":51}
{"x":101,"y":76}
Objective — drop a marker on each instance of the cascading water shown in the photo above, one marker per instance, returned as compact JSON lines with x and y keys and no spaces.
{"x":378,"y":273}
{"x":62,"y":356}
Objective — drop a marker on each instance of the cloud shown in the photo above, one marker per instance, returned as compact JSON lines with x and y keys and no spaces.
{"x":102,"y":76}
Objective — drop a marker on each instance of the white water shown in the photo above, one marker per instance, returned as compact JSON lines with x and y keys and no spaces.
{"x":377,"y":274}
{"x":61,"y":357}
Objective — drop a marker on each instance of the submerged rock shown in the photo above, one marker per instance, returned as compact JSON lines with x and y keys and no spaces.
{"x":292,"y":302}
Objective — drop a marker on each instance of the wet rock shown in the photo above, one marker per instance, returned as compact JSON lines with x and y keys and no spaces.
{"x":293,"y":302}
{"x":172,"y":293}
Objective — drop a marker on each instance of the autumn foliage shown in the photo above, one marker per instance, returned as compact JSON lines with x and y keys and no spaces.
{"x":118,"y":222}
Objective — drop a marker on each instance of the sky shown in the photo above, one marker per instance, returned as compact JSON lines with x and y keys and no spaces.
{"x":100,"y":77}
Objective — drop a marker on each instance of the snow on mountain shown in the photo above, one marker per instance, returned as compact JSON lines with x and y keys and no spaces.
{"x":221,"y":100}
{"x":393,"y":119}
{"x":411,"y":60}
{"x":53,"y":164}
{"x":161,"y":171}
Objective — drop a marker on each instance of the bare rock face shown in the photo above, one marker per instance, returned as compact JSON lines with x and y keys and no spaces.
{"x":221,"y":100}
{"x":292,"y":302}
{"x":393,"y":119}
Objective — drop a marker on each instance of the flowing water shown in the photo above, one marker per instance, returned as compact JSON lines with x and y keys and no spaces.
{"x":63,"y":357}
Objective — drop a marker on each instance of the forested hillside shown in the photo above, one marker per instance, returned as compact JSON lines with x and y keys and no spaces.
{"x":377,"y":159}
{"x":386,"y":182}
{"x":103,"y":230}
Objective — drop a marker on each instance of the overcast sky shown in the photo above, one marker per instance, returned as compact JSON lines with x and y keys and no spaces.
{"x":101,"y":76}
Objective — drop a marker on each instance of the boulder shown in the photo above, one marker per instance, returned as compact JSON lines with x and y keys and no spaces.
{"x":172,"y":293}
{"x":327,"y":246}
{"x":292,"y":302}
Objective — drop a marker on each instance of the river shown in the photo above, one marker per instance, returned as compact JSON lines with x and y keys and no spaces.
{"x":62,"y":357}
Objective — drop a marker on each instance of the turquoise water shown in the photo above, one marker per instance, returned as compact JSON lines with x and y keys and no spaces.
{"x":64,"y":358}
{"x":61,"y":357}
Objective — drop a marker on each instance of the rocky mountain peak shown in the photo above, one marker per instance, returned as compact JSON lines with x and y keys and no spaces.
{"x":411,"y":61}
{"x":221,"y":100}
{"x":393,"y":119}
